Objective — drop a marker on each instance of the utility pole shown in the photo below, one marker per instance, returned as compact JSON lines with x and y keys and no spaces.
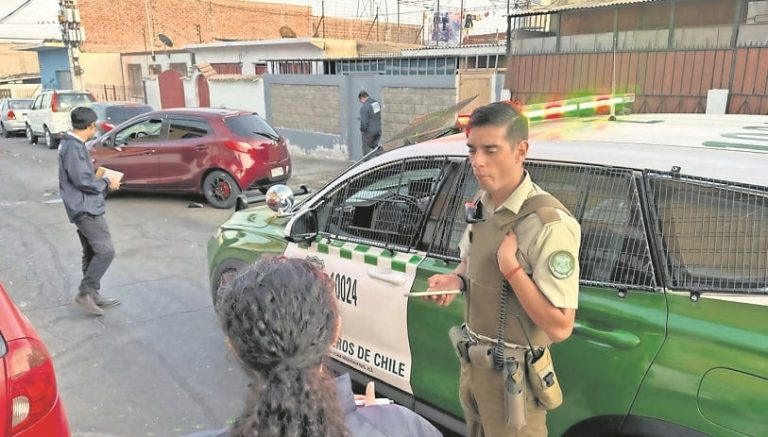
{"x":461,"y":24}
{"x":72,"y":35}
{"x":398,"y":20}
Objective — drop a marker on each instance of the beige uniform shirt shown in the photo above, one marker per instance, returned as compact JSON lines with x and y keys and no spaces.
{"x":541,"y":246}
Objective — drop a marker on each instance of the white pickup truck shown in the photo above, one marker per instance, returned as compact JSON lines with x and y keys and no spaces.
{"x":48,"y":118}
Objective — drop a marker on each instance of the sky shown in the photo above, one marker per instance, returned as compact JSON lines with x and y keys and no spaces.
{"x":36,"y":21}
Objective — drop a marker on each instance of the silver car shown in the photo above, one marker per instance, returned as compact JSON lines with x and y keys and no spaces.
{"x":13,"y":116}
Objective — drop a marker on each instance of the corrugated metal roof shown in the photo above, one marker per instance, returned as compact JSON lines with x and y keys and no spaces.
{"x":553,"y":8}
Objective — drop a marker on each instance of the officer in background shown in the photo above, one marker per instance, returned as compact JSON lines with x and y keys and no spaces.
{"x":370,"y":122}
{"x":520,"y":273}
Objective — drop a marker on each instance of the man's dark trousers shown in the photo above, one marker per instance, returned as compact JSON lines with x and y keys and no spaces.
{"x":370,"y":142}
{"x":98,"y":251}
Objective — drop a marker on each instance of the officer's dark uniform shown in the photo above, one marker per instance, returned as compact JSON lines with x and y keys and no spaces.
{"x":548,"y":240}
{"x":370,"y":124}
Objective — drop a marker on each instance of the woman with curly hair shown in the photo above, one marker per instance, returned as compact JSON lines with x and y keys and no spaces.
{"x":280,"y":319}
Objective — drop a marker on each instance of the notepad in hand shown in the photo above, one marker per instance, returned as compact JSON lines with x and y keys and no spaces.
{"x":104,"y":172}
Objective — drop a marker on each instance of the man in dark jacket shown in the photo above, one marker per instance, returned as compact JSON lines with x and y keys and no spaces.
{"x":83,"y":196}
{"x":370,"y":121}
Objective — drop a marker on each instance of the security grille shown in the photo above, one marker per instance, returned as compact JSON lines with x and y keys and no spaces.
{"x":714,"y":235}
{"x":386,"y":206}
{"x":614,"y":248}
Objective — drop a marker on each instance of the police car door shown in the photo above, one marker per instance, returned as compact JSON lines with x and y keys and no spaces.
{"x":370,"y":226}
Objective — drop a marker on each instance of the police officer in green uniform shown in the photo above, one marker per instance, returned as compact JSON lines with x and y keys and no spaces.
{"x":520,"y":273}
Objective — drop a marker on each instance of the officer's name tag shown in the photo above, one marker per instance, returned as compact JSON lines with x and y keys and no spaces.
{"x":376,"y":107}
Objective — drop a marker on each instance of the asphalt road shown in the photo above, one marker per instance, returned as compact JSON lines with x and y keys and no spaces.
{"x":157,"y":364}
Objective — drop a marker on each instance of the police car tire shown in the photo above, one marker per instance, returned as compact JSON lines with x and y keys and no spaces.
{"x":4,"y":131}
{"x":224,"y":272}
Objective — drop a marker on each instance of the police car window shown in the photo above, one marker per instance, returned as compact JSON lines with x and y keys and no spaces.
{"x":385,"y":206}
{"x":714,"y":234}
{"x":614,"y":247}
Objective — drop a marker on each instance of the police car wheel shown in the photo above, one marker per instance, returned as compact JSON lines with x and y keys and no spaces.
{"x":4,"y":131}
{"x":224,"y":274}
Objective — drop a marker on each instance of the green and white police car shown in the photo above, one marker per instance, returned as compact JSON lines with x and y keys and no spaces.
{"x":671,"y":336}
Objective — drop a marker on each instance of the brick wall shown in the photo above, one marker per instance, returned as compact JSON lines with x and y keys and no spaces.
{"x":366,"y":30}
{"x":401,"y":105}
{"x":123,"y":28}
{"x":312,"y":108}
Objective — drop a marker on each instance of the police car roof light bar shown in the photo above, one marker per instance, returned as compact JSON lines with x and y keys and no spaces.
{"x":575,"y":107}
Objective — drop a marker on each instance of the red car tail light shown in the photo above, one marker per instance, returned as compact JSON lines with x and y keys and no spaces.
{"x":55,"y":103}
{"x":11,"y":115}
{"x":107,"y":126}
{"x":32,"y":383}
{"x":242,"y":146}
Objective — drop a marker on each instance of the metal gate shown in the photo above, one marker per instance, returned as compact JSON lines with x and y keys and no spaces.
{"x":171,"y":90}
{"x":203,"y":92}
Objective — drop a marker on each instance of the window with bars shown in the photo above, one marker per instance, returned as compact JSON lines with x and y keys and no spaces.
{"x":614,"y":247}
{"x":386,"y":206}
{"x":714,"y":234}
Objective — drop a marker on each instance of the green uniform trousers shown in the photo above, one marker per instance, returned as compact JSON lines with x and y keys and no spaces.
{"x":482,"y":397}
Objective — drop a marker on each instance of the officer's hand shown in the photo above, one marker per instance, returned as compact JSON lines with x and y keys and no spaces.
{"x":441,"y":283}
{"x":507,"y":253}
{"x":114,"y":184}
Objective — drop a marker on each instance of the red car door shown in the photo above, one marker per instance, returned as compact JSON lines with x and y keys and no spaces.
{"x":133,"y":151}
{"x":185,"y":153}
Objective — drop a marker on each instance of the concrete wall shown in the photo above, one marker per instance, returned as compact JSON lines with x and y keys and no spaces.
{"x":52,"y":60}
{"x":152,"y":88}
{"x":16,"y":63}
{"x":248,"y":55}
{"x":243,"y":95}
{"x":101,"y":69}
{"x":21,"y":91}
{"x":301,"y":108}
{"x":312,"y":108}
{"x":162,"y":59}
{"x":400,"y":105}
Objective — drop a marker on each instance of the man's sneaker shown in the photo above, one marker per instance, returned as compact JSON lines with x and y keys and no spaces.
{"x":105,"y":302}
{"x":87,"y":303}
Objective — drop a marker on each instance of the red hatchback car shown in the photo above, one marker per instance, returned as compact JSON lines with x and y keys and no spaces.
{"x":29,"y":398}
{"x":215,"y":152}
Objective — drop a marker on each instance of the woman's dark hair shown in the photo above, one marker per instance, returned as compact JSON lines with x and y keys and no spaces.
{"x":280,"y":316}
{"x":82,"y":117}
{"x":502,"y":114}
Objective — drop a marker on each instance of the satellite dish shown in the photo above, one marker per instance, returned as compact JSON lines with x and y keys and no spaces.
{"x":287,"y":32}
{"x":168,"y":42}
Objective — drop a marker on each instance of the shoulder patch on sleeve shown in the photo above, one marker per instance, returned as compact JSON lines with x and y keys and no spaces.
{"x":562,"y":264}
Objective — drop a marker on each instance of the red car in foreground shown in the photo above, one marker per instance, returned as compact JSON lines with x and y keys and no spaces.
{"x":29,"y":398}
{"x":215,"y":152}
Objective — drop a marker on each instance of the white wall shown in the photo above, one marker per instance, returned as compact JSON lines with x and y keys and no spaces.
{"x":160,"y":58}
{"x":153,"y":93}
{"x":248,"y":55}
{"x":190,"y":92}
{"x":244,"y":95}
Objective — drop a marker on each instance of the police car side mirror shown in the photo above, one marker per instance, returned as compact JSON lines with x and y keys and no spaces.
{"x":304,"y":227}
